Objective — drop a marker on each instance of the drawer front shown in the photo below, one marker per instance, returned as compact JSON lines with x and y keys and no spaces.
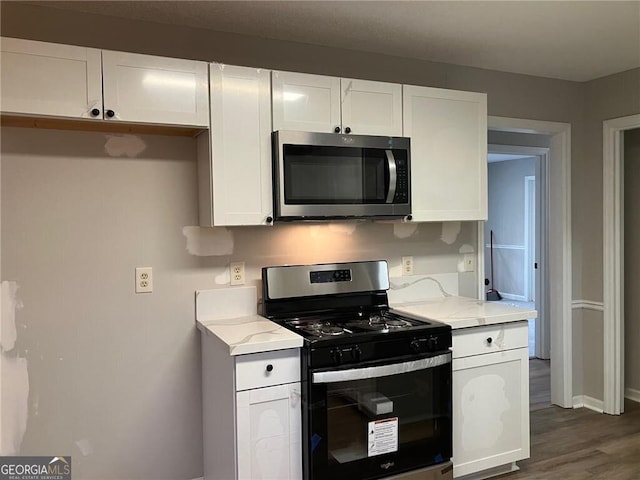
{"x":269,"y":368}
{"x":490,"y":338}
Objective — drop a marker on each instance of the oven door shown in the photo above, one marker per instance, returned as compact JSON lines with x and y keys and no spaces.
{"x":378,"y":420}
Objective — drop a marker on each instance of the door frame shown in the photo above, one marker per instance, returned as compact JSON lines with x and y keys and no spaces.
{"x":559,"y":272}
{"x":613,"y":259}
{"x":531,"y":232}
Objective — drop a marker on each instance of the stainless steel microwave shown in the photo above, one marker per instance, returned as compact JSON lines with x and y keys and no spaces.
{"x":318,"y":176}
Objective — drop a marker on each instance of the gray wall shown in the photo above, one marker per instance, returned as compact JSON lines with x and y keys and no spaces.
{"x":632,"y":258}
{"x":128,"y":382}
{"x":113,"y":378}
{"x":605,"y":98}
{"x":506,"y":219}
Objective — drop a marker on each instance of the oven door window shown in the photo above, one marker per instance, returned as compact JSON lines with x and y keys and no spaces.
{"x":334,"y":175}
{"x":373,"y":427}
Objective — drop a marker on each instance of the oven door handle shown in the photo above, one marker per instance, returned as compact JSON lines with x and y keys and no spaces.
{"x":380,"y":370}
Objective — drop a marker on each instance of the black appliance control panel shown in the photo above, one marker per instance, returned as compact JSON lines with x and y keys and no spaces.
{"x":402,"y":181}
{"x":349,"y":354}
{"x":330,"y":276}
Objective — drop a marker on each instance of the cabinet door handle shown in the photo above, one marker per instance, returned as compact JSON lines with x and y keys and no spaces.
{"x":489,"y":340}
{"x":347,"y":130}
{"x":95,"y":112}
{"x":269,"y":368}
{"x":337,"y":129}
{"x":110,"y":113}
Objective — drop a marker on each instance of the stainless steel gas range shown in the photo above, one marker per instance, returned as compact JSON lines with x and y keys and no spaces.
{"x":376,"y":384}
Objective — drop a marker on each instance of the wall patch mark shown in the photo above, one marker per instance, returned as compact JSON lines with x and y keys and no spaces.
{"x":450,"y":232}
{"x":404,"y":230}
{"x":124,"y":146}
{"x":207,"y":242}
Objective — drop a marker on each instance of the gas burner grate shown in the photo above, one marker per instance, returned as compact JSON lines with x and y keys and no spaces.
{"x":331,"y":330}
{"x":398,"y":323}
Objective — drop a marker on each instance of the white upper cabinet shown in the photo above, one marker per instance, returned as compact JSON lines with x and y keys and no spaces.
{"x":49,"y":79}
{"x":75,"y":82}
{"x":448,"y":131}
{"x":301,"y":101}
{"x":371,"y":108}
{"x":149,"y":89}
{"x":235,"y":179}
{"x":317,"y":103}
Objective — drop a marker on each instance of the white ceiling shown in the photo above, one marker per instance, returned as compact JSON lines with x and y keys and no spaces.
{"x":572,"y":40}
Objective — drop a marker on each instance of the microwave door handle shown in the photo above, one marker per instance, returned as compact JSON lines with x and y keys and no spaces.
{"x":393,"y":178}
{"x":381,"y":370}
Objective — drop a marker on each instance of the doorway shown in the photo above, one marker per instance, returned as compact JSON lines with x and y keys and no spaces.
{"x":518,"y":219}
{"x":556,"y":298}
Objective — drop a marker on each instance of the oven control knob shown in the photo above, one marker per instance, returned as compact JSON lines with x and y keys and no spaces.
{"x":356,"y":353}
{"x":433,"y":343}
{"x":336,"y":356}
{"x":416,"y":345}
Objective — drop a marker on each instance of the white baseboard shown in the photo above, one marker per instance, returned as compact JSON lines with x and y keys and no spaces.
{"x":632,"y":394}
{"x":513,"y":296}
{"x":585,"y":401}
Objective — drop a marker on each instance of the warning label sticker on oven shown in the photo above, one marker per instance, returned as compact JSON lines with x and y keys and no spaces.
{"x":383,"y":436}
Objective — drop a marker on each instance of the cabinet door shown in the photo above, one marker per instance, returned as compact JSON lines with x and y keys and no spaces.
{"x":50,"y":79}
{"x":149,"y":89}
{"x":309,"y":103}
{"x":371,"y":108}
{"x":240,"y":173}
{"x":448,"y":131}
{"x":490,"y":410}
{"x":269,"y":435}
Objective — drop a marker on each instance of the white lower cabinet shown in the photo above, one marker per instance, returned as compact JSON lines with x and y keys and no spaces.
{"x":252,"y":417}
{"x":269,"y":433}
{"x":490,"y":399}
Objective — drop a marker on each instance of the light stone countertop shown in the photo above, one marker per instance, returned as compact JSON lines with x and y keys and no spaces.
{"x":463,"y":312}
{"x":230,"y":315}
{"x":250,"y":334}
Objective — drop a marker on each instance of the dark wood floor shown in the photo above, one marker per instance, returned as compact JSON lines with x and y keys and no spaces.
{"x":539,"y":384}
{"x":579,"y":444}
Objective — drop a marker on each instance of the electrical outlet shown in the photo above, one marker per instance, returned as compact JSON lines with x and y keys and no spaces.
{"x":144,"y":280}
{"x":469,"y":262}
{"x":407,"y":266}
{"x":236,"y":272}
